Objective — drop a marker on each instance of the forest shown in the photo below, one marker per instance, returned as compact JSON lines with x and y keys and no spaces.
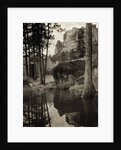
{"x":36,"y":40}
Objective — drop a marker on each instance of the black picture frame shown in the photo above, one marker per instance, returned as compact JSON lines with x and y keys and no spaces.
{"x":3,"y":8}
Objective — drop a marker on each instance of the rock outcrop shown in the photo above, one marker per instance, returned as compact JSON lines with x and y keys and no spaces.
{"x":58,"y":47}
{"x":71,"y":41}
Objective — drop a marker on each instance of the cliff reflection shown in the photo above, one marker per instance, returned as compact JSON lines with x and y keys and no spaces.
{"x":78,"y":112}
{"x":66,"y":109}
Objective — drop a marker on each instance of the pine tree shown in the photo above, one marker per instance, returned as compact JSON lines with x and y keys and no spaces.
{"x":87,"y":92}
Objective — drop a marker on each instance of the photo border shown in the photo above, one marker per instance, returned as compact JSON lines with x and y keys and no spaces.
{"x":4,"y":45}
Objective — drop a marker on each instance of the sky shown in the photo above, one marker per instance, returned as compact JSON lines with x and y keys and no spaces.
{"x":59,"y":35}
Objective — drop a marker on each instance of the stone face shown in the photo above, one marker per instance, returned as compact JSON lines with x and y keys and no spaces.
{"x":71,"y":42}
{"x":70,"y":39}
{"x":58,"y":47}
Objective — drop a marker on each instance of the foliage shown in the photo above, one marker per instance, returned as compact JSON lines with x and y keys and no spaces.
{"x":81,"y":45}
{"x":37,"y":38}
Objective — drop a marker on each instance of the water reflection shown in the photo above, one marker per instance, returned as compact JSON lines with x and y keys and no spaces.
{"x":78,"y":112}
{"x":35,"y":111}
{"x":59,"y":108}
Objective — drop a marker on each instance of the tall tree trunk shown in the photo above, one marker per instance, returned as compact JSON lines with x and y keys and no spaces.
{"x":40,"y":65}
{"x":37,"y":69}
{"x":40,"y":56}
{"x":29,"y":73}
{"x":43,"y":64}
{"x":34,"y":53}
{"x":26,"y":62}
{"x":46,"y":53}
{"x":29,"y":64}
{"x":34,"y":63}
{"x":87,"y":92}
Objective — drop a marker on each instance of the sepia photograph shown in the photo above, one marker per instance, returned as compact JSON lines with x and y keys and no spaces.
{"x":60,"y":74}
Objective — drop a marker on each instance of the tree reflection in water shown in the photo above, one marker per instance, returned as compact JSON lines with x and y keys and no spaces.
{"x":78,"y":112}
{"x":65,"y":106}
{"x":35,"y":110}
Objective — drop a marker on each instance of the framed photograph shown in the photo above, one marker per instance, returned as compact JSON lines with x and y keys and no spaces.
{"x":60,"y":75}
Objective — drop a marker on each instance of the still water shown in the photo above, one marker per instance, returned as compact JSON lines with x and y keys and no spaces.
{"x":59,"y":108}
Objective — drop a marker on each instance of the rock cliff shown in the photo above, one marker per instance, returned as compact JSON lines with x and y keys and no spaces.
{"x":71,"y":41}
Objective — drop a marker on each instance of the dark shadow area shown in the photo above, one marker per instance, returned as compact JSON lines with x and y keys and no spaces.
{"x":35,"y":113}
{"x":78,"y":112}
